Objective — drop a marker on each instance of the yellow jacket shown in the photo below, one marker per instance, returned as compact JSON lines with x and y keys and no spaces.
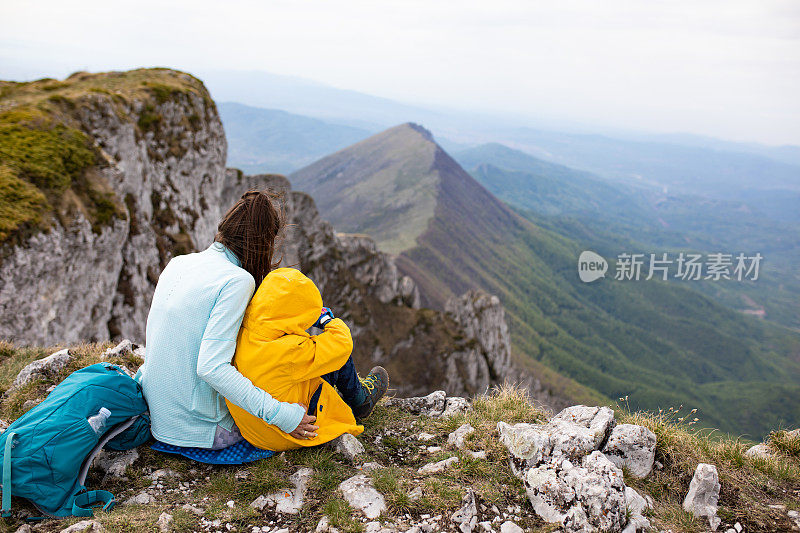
{"x":276,"y":353}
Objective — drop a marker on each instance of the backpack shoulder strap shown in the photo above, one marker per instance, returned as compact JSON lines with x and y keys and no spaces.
{"x":7,"y":473}
{"x":83,"y":502}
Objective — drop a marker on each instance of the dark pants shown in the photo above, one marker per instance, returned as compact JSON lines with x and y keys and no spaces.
{"x":346,"y":381}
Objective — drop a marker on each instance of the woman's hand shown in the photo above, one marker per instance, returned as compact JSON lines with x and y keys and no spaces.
{"x":306,"y":429}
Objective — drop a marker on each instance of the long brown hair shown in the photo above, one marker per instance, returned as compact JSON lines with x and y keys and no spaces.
{"x":250,"y":228}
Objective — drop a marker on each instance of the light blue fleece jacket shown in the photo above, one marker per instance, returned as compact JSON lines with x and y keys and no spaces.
{"x":194,"y":319}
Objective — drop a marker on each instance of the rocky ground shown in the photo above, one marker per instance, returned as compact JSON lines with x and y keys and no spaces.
{"x":494,"y":463}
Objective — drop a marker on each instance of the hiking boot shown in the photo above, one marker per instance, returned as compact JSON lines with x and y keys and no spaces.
{"x":375,"y":386}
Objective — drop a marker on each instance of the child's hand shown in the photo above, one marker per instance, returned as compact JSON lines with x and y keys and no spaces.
{"x":324,"y":318}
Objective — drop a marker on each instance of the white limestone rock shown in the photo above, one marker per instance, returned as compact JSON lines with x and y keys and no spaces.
{"x":162,"y":473}
{"x":436,"y":404}
{"x":703,"y":495}
{"x":139,"y":351}
{"x":431,"y":405}
{"x":633,"y":447}
{"x":30,"y":404}
{"x":589,"y":496}
{"x":440,"y":466}
{"x":197,"y":511}
{"x":760,"y":451}
{"x":287,"y":501}
{"x":598,"y":420}
{"x":601,"y":493}
{"x":347,"y":445}
{"x":794,"y":516}
{"x":455,"y":405}
{"x":637,"y":523}
{"x":371,"y":466}
{"x":570,"y":440}
{"x":510,"y":527}
{"x":361,"y":495}
{"x":636,"y":505}
{"x":533,"y":444}
{"x":143,"y":498}
{"x":456,"y":438}
{"x":58,"y":287}
{"x":323,"y":526}
{"x":42,"y":368}
{"x":528,"y":444}
{"x":114,"y":463}
{"x":550,"y":495}
{"x":467,"y":516}
{"x":568,"y":480}
{"x":164,"y":522}
{"x":124,"y":347}
{"x":482,"y":318}
{"x":84,"y":526}
{"x":573,"y":433}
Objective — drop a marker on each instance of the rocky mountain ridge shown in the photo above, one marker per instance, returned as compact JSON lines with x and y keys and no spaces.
{"x":162,"y":156}
{"x":161,"y":151}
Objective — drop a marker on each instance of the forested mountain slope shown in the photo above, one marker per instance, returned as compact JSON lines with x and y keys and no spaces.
{"x":658,"y":344}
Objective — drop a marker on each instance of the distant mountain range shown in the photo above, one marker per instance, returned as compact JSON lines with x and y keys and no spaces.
{"x":270,"y":140}
{"x":659,"y":344}
{"x":681,"y":162}
{"x":677,"y":168}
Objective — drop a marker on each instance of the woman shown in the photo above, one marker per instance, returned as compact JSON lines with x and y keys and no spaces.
{"x":191,"y":334}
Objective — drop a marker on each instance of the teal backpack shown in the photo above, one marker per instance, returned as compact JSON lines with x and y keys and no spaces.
{"x":47,"y":452}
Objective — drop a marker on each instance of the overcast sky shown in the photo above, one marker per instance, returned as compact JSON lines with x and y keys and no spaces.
{"x":726,"y":68}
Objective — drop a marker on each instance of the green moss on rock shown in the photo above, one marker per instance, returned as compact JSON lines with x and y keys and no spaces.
{"x":51,"y":169}
{"x":21,"y":204}
{"x":47,"y":170}
{"x":48,"y":155}
{"x":149,"y":119}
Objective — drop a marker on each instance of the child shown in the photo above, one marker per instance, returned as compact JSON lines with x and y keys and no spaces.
{"x":275,"y":352}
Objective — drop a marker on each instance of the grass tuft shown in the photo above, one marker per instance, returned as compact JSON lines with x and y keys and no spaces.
{"x":748,"y":485}
{"x":340,"y":515}
{"x":786,"y":442}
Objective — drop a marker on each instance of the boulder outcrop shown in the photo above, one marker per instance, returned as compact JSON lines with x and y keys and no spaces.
{"x":567,"y":477}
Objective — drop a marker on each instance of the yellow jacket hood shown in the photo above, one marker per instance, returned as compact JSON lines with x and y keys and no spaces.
{"x":286,"y":302}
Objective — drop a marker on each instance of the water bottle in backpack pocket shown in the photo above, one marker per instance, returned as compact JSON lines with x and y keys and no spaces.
{"x":98,"y":421}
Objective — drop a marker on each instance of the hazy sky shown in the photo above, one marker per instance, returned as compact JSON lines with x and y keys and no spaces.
{"x":727,"y":68}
